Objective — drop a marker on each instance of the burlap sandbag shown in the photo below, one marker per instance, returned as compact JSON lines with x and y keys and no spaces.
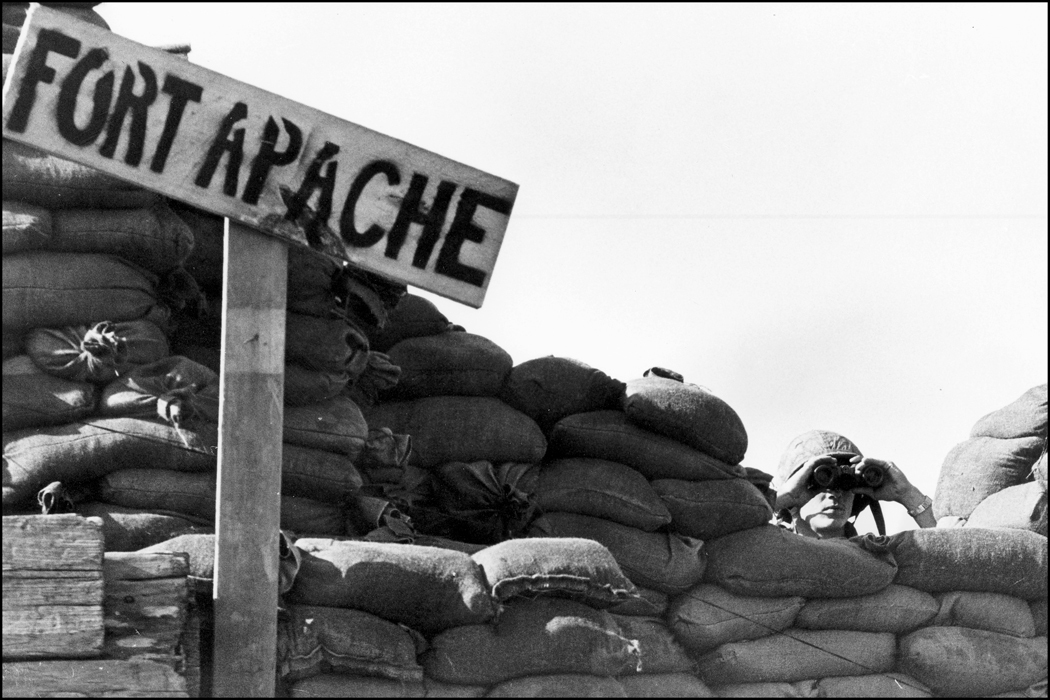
{"x":1024,"y":417}
{"x":665,"y":685}
{"x":573,"y":568}
{"x":993,"y":612}
{"x":1022,"y":507}
{"x":1039,"y":616}
{"x":45,"y":290}
{"x":961,"y":662}
{"x":310,"y":279}
{"x":660,"y":651}
{"x":664,"y":561}
{"x":532,"y":637}
{"x":96,"y":353}
{"x":796,"y":655}
{"x":687,"y":413}
{"x":462,"y":429}
{"x":413,"y":317}
{"x":26,"y":227}
{"x":174,"y":388}
{"x":83,"y":453}
{"x":610,"y":435}
{"x":205,"y":262}
{"x":978,"y":467}
{"x":303,"y":386}
{"x":426,"y":588}
{"x":707,"y":616}
{"x":560,"y":685}
{"x":478,"y":502}
{"x":312,"y":640}
{"x":131,"y":529}
{"x":335,"y":425}
{"x":36,"y":177}
{"x":318,"y":474}
{"x":713,"y":508}
{"x":33,"y":397}
{"x":877,"y":685}
{"x":649,"y":603}
{"x":548,"y":389}
{"x":325,"y":344}
{"x":897,"y":609}
{"x":154,"y":238}
{"x":449,"y":364}
{"x":601,"y":489}
{"x":772,"y":561}
{"x":801,"y":689}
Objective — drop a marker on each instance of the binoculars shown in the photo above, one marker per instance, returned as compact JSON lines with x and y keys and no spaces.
{"x":845,"y":476}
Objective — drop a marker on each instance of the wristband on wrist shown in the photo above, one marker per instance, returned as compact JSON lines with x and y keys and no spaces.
{"x":922,"y":507}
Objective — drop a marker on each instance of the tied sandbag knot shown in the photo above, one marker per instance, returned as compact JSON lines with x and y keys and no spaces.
{"x":104,"y":352}
{"x":55,"y":499}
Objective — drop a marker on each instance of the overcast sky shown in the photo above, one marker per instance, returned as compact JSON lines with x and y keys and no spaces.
{"x":832,"y":216}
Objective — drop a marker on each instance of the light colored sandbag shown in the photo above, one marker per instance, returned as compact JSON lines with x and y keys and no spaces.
{"x":26,"y":227}
{"x":978,"y":467}
{"x":801,"y":689}
{"x":601,"y":489}
{"x":896,"y":609}
{"x":335,"y":425}
{"x":649,"y":603}
{"x":154,"y":238}
{"x":1022,"y":507}
{"x":993,"y":612}
{"x":338,"y":685}
{"x":1026,"y":416}
{"x":449,"y":364}
{"x":713,"y":508}
{"x":562,"y":685}
{"x":962,"y":662}
{"x":879,"y":685}
{"x":707,"y":616}
{"x":665,"y":685}
{"x":96,"y":353}
{"x":437,"y":689}
{"x":548,"y":389}
{"x":660,"y":651}
{"x":610,"y":435}
{"x":174,"y":388}
{"x":32,"y":397}
{"x":796,"y":655}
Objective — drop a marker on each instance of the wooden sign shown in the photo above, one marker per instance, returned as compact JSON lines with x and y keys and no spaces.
{"x":282,"y":168}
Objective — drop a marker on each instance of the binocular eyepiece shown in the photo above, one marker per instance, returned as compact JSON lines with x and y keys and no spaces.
{"x":845,"y":476}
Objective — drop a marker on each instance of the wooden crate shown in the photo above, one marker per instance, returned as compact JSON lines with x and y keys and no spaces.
{"x":97,"y":678}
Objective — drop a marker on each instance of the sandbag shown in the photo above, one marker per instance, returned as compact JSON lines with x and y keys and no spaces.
{"x":26,"y":227}
{"x":687,"y":413}
{"x":85,"y":452}
{"x":338,"y":685}
{"x":325,"y":344}
{"x":311,"y":276}
{"x":479,"y":502}
{"x":1038,"y":608}
{"x":713,"y":508}
{"x":565,"y":567}
{"x":318,"y":474}
{"x":426,"y":588}
{"x":876,"y":685}
{"x":550,"y":388}
{"x":664,"y":561}
{"x":413,"y":317}
{"x":659,"y":651}
{"x":132,"y":529}
{"x":449,"y":364}
{"x":978,"y":467}
{"x":462,"y":429}
{"x":707,"y":616}
{"x":649,"y":603}
{"x":205,"y":262}
{"x":796,"y":655}
{"x":33,"y":176}
{"x":897,"y":609}
{"x":801,"y":689}
{"x":610,"y":435}
{"x":335,"y":425}
{"x":993,"y":612}
{"x":772,"y":561}
{"x":532,"y":637}
{"x":33,"y":397}
{"x":601,"y":489}
{"x":379,"y":375}
{"x":665,"y":685}
{"x":1022,"y":507}
{"x":312,"y":640}
{"x":1024,"y":417}
{"x":303,"y":386}
{"x":561,"y":685}
{"x":44,"y":290}
{"x":96,"y":353}
{"x":962,"y":662}
{"x":174,"y":388}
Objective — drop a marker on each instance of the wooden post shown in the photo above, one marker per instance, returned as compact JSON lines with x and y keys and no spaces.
{"x":247,"y":516}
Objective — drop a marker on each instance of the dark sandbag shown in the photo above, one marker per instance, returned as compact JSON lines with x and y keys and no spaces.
{"x":45,"y":290}
{"x":310,"y":282}
{"x":772,"y":561}
{"x":897,"y":609}
{"x":649,"y":603}
{"x":479,"y":501}
{"x":174,"y":388}
{"x":660,"y":651}
{"x":961,"y":662}
{"x":413,"y":317}
{"x":36,"y":177}
{"x":379,"y":375}
{"x":1039,"y":616}
{"x":449,"y":364}
{"x":532,"y":637}
{"x":462,"y":429}
{"x":318,"y":474}
{"x":713,"y":508}
{"x":993,"y":612}
{"x":312,"y":640}
{"x":565,"y":567}
{"x":978,"y":467}
{"x":548,"y":389}
{"x":561,"y":685}
{"x":338,"y":685}
{"x":601,"y":489}
{"x":665,"y":685}
{"x":707,"y":616}
{"x":335,"y":425}
{"x":876,"y":685}
{"x":33,"y":397}
{"x":610,"y":435}
{"x":26,"y":227}
{"x":1024,"y":417}
{"x":1012,"y":562}
{"x":303,"y":386}
{"x":75,"y":454}
{"x":131,"y":529}
{"x":426,"y":588}
{"x":664,"y":561}
{"x":206,"y":259}
{"x":96,"y":353}
{"x":153,"y":238}
{"x":796,"y":655}
{"x":1022,"y":507}
{"x":801,"y":689}
{"x":325,"y":344}
{"x":687,"y":413}
{"x":437,"y":689}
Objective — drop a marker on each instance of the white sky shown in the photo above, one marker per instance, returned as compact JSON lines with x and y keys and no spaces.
{"x":831,"y":215}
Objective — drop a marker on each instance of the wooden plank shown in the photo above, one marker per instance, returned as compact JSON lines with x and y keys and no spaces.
{"x":280,"y":167}
{"x":145,"y":618}
{"x":190,"y":646}
{"x":101,"y":678}
{"x":133,"y":566}
{"x":53,"y":631}
{"x":248,"y":501}
{"x":51,"y":542}
{"x":24,"y":592}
